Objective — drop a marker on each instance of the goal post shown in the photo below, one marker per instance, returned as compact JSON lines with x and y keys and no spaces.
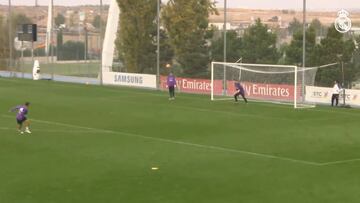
{"x":263,"y":82}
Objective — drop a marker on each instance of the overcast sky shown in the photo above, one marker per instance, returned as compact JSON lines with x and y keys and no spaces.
{"x":261,"y":4}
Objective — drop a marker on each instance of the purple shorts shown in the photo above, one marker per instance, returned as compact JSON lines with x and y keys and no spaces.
{"x":21,"y":121}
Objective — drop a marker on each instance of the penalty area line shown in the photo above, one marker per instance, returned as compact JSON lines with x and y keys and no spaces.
{"x":216,"y":148}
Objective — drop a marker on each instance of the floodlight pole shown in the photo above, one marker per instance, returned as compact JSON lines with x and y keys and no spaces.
{"x":340,"y":58}
{"x":22,"y":59}
{"x":101,"y":43}
{"x":224,"y":28}
{"x":51,"y":39}
{"x":158,"y":47}
{"x":32,"y":40}
{"x":10,"y":36}
{"x":52,"y":31}
{"x":225,"y":48}
{"x":304,"y":51}
{"x":85,"y":42}
{"x":343,"y":81}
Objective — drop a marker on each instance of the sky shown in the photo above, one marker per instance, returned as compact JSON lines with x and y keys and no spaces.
{"x":260,"y":4}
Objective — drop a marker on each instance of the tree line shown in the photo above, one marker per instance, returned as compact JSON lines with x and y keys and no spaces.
{"x":190,"y":44}
{"x":187,"y":41}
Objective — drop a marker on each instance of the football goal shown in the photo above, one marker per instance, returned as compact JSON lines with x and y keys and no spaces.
{"x":263,"y":82}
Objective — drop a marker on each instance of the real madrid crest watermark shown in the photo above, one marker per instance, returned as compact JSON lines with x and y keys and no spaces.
{"x":343,"y":22}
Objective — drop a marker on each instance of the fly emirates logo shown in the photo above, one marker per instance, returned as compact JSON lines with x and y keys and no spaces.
{"x":267,"y":90}
{"x":202,"y":85}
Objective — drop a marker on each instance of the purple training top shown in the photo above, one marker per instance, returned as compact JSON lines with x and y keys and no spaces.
{"x":171,"y":82}
{"x":22,"y":111}
{"x":238,"y":86}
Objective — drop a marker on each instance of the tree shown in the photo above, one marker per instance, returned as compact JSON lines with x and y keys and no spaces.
{"x":20,"y":18}
{"x":319,"y":28}
{"x":136,"y":43}
{"x":166,"y":51}
{"x":97,"y":22}
{"x":334,"y":49}
{"x":72,"y":50}
{"x":294,"y":52}
{"x":186,"y":22}
{"x":59,"y":20}
{"x":295,"y":26}
{"x":356,"y":57}
{"x":72,"y":19}
{"x":4,"y":47}
{"x":259,"y":45}
{"x":233,"y":46}
{"x":16,"y":20}
{"x":59,"y":43}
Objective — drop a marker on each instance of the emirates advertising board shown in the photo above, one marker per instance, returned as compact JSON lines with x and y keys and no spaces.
{"x":193,"y":85}
{"x":279,"y":92}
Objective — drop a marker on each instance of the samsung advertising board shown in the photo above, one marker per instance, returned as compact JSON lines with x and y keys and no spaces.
{"x":129,"y":79}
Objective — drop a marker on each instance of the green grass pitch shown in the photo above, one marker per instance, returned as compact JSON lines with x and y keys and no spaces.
{"x":99,"y":144}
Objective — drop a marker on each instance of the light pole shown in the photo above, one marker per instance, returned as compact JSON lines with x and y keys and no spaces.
{"x":304,"y":51}
{"x":32,"y":42}
{"x":343,"y":81}
{"x":51,"y":39}
{"x":10,"y":36}
{"x":225,"y":48}
{"x":85,"y":42}
{"x":340,"y":57}
{"x":158,"y":46}
{"x":224,"y":28}
{"x":101,"y":43}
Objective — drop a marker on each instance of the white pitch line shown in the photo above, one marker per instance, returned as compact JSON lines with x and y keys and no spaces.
{"x":97,"y":130}
{"x":255,"y":154}
{"x":1,"y":128}
{"x":339,"y":162}
{"x":51,"y":131}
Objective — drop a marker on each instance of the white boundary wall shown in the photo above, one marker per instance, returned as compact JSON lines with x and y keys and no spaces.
{"x":110,"y":36}
{"x":322,"y":95}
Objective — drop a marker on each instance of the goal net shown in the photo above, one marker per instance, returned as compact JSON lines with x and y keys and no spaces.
{"x":263,"y":82}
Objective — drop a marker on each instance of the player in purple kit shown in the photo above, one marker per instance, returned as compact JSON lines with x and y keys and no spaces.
{"x":171,"y":83}
{"x":239,"y":91}
{"x":21,"y":118}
